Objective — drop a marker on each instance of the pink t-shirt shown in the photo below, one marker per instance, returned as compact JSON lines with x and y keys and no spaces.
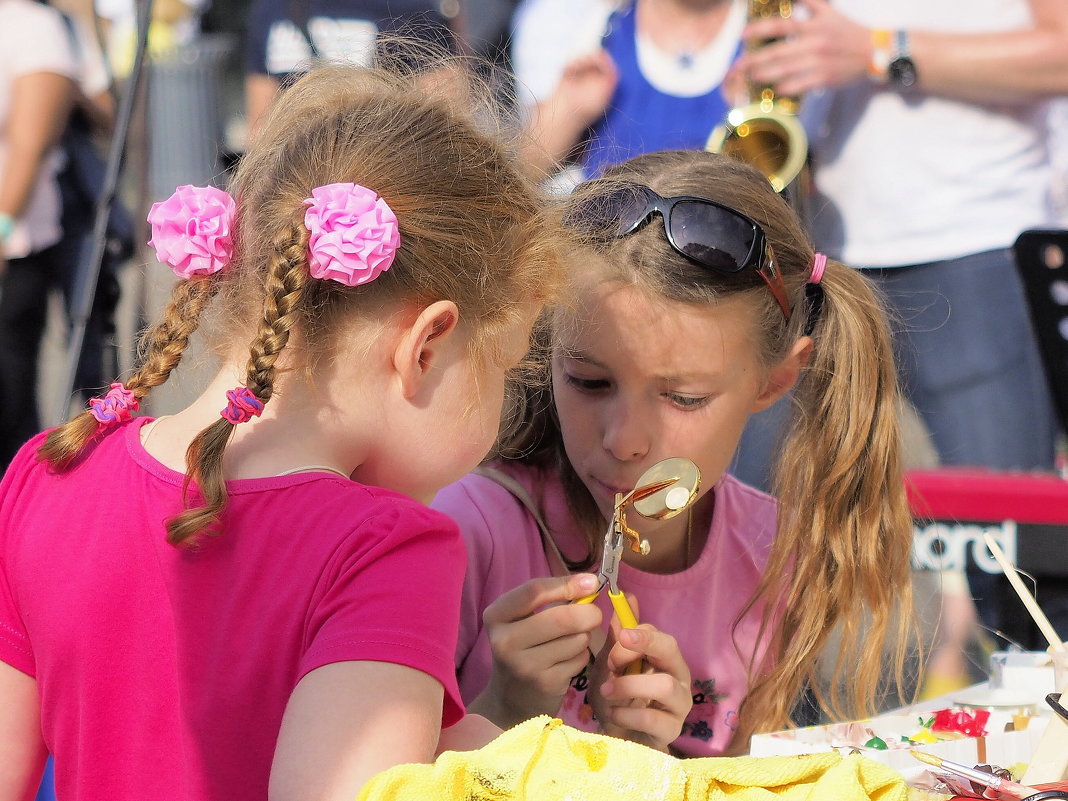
{"x":163,"y":672}
{"x":698,"y":606}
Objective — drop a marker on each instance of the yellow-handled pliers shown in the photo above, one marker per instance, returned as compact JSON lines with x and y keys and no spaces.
{"x":617,"y":535}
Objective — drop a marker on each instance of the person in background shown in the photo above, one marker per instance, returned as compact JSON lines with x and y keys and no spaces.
{"x":285,"y":37}
{"x":697,"y":302}
{"x":255,"y":602}
{"x":929,"y":156}
{"x":602,"y":82}
{"x":38,"y":75}
{"x":85,"y":143}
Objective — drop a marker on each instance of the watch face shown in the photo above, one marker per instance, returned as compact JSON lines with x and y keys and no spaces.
{"x":902,"y":72}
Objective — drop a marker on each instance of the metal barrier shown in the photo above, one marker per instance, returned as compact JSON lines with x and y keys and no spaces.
{"x":185,"y":114}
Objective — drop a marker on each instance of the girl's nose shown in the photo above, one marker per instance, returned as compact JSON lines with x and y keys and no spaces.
{"x":625,"y":437}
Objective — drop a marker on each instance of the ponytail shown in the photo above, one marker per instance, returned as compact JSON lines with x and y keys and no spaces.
{"x":844,"y":523}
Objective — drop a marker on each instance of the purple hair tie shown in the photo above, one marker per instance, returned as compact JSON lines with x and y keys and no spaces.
{"x":242,"y":406}
{"x":117,"y":406}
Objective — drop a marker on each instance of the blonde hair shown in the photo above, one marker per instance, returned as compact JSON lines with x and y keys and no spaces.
{"x":473,"y":230}
{"x":844,"y":524}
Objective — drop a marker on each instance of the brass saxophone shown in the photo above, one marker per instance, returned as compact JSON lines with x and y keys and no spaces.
{"x":765,"y":133}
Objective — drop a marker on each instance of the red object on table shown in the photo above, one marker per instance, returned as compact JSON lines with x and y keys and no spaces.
{"x":969,"y":723}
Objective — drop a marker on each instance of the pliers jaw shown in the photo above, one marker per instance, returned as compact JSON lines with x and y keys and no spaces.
{"x":608,"y":571}
{"x":610,"y":559}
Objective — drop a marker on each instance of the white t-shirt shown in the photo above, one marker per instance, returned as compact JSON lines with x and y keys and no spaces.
{"x":33,"y":39}
{"x":905,"y":177}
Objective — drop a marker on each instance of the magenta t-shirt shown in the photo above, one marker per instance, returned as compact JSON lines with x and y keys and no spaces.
{"x":163,"y":672}
{"x":698,"y":606}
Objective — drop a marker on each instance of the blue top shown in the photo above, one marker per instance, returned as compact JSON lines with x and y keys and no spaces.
{"x":641,"y":118}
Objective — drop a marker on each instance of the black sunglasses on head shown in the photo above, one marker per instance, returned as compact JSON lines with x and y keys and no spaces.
{"x":706,"y":232}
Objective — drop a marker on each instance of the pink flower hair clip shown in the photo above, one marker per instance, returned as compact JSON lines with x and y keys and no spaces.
{"x":354,"y":234}
{"x":192,"y":230}
{"x":242,"y":406}
{"x":117,"y":406}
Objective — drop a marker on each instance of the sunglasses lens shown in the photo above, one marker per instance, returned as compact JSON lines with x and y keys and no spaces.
{"x":613,"y":213}
{"x":712,"y":236}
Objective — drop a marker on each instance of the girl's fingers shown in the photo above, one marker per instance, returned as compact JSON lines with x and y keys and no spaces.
{"x":648,"y":689}
{"x":530,"y":596}
{"x":563,"y":655}
{"x":655,"y":727}
{"x":539,"y":640}
{"x":657,"y":648}
{"x":544,"y":627}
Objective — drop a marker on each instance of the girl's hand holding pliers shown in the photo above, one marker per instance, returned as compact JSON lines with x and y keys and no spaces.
{"x":540,"y":641}
{"x":648,"y":707}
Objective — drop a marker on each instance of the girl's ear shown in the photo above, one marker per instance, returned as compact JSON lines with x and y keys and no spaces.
{"x":422,"y":343}
{"x":785,"y":374}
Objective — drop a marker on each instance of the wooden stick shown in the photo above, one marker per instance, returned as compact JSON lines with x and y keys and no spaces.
{"x":1028,"y":600}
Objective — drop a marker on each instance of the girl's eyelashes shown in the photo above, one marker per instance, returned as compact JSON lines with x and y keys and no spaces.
{"x":586,"y":384}
{"x":687,"y":401}
{"x":598,"y":385}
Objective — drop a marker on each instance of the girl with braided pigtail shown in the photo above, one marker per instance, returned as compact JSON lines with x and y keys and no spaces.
{"x":286,"y":277}
{"x":253,"y":599}
{"x":699,"y":301}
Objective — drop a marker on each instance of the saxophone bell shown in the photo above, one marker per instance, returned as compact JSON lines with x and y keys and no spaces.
{"x":765,"y":133}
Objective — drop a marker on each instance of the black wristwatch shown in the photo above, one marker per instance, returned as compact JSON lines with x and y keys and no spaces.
{"x":902,"y":69}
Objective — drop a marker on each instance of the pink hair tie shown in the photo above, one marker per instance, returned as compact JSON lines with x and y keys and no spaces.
{"x":819,"y":264}
{"x":354,"y":234}
{"x":814,"y":292}
{"x":117,"y":406}
{"x":192,"y":230}
{"x":242,"y":406}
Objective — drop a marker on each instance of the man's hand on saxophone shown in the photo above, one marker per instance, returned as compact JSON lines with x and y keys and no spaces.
{"x":815,"y":48}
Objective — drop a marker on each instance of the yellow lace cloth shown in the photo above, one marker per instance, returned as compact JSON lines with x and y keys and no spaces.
{"x":545,"y":760}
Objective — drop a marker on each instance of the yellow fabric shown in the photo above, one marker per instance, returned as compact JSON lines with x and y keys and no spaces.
{"x":545,"y":760}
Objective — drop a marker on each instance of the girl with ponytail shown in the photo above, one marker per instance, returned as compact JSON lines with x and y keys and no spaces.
{"x":249,"y":598}
{"x":699,"y":301}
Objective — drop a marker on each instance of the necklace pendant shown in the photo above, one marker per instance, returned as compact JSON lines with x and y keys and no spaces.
{"x":686,"y":60}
